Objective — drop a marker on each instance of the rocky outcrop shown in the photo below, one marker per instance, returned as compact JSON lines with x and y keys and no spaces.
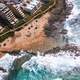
{"x":69,"y":47}
{"x":58,"y":16}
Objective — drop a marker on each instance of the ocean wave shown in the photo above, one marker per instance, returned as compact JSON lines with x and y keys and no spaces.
{"x":3,"y":75}
{"x":62,"y":61}
{"x":6,"y":63}
{"x":72,"y":24}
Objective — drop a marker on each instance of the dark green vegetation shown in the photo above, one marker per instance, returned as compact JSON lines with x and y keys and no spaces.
{"x":3,"y":37}
{"x":45,"y":7}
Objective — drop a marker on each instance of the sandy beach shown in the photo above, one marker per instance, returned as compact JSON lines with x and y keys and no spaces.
{"x":31,"y":37}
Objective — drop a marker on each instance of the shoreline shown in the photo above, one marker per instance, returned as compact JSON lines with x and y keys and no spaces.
{"x":39,"y":39}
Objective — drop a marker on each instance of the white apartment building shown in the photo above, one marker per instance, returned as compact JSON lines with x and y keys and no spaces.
{"x":7,"y":14}
{"x":32,"y":7}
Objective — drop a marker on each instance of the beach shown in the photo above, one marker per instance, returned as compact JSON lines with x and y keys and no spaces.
{"x":31,"y":37}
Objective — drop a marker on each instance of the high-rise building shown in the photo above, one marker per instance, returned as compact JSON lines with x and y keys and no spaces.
{"x":16,"y":10}
{"x":6,"y":15}
{"x":32,"y":6}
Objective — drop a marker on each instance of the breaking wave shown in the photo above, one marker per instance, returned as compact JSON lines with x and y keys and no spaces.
{"x":60,"y":66}
{"x":72,"y":23}
{"x":64,"y":65}
{"x":6,"y":63}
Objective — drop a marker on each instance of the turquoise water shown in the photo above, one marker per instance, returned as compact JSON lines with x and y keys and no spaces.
{"x":61,"y":66}
{"x":45,"y":75}
{"x":57,"y":67}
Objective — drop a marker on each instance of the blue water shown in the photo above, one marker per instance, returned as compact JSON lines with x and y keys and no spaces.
{"x":45,"y":75}
{"x":61,"y":66}
{"x":56,"y":68}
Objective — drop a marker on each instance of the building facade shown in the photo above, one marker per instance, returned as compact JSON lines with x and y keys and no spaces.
{"x":7,"y":15}
{"x":32,"y":6}
{"x":15,"y":8}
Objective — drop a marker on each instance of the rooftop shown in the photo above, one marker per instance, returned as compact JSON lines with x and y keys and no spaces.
{"x":2,"y":6}
{"x":31,"y":5}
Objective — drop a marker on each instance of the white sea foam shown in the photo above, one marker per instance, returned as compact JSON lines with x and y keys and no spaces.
{"x":3,"y":75}
{"x":6,"y":63}
{"x":58,"y":79}
{"x":61,"y":62}
{"x":75,"y":11}
{"x":7,"y":60}
{"x":72,"y":24}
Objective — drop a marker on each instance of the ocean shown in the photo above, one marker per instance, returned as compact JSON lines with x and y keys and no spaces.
{"x":72,"y":23}
{"x":64,"y":65}
{"x":61,"y":66}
